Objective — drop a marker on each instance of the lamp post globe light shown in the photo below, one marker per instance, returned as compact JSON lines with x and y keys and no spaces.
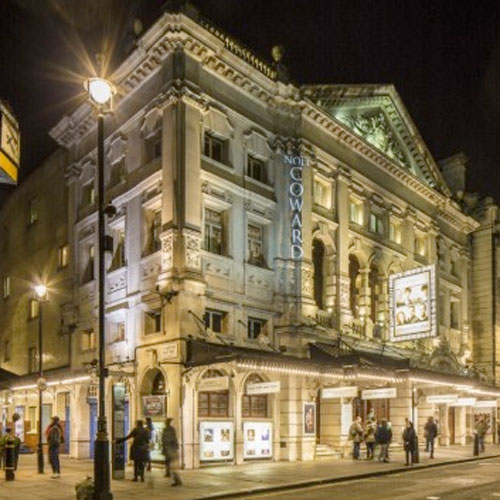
{"x":41,"y":296}
{"x":100,"y":93}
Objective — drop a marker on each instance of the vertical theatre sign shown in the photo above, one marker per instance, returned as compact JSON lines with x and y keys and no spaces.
{"x":9,"y":145}
{"x":296,"y":200}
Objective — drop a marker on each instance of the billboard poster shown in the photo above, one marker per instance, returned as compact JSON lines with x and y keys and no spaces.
{"x":19,"y":424}
{"x":412,"y":297}
{"x":309,"y":418}
{"x":155,"y":447}
{"x":119,"y":458}
{"x":216,"y":441}
{"x":153,"y":406}
{"x":257,"y":440}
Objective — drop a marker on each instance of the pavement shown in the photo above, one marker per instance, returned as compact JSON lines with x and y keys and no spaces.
{"x":258,"y":479}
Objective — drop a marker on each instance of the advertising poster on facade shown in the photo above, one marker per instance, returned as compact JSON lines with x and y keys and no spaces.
{"x":412,"y":296}
{"x":155,"y":447}
{"x":19,"y":424}
{"x":309,"y":418}
{"x":257,"y":440}
{"x":216,"y":441}
{"x":153,"y":406}
{"x":119,"y":450}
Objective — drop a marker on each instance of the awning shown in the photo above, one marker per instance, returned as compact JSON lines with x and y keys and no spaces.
{"x":7,"y":378}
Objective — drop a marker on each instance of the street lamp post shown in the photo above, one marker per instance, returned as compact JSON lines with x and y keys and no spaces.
{"x":41,"y":293}
{"x":101,"y":95}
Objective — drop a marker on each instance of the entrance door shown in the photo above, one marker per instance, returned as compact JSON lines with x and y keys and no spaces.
{"x":451,"y":424}
{"x":66,"y":429}
{"x":93,"y":424}
{"x":362,"y":407}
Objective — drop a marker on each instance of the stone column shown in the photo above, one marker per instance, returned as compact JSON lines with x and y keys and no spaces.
{"x":444,"y":439}
{"x":460,"y":425}
{"x":291,"y":417}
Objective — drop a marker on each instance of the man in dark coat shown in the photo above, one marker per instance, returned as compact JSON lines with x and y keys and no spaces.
{"x":170,"y":448}
{"x":139,"y":448}
{"x":410,"y":442}
{"x":383,"y":438}
{"x":431,"y":432}
{"x":55,"y":437}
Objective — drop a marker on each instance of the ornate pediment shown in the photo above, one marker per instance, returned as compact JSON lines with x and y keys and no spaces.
{"x":377,"y":115}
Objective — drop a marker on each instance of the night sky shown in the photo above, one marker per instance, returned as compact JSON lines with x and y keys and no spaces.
{"x":442,"y":56}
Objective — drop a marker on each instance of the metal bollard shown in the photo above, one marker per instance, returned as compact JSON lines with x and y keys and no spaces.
{"x":476,"y":445}
{"x":10,"y":460}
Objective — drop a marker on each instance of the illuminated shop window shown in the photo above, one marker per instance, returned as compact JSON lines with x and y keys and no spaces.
{"x":256,"y":169}
{"x":214,"y":320}
{"x":152,"y":321}
{"x":214,"y":148}
{"x":356,"y":211}
{"x":256,"y":245}
{"x":214,"y":231}
{"x":376,"y":223}
{"x":63,"y":257}
{"x":254,"y":328}
{"x":6,"y":287}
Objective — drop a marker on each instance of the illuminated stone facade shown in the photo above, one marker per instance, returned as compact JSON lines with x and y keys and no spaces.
{"x":203,"y":233}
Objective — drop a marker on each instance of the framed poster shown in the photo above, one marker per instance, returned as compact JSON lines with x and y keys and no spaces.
{"x":155,"y":443}
{"x":257,"y":439}
{"x":309,"y":418}
{"x":412,"y":304}
{"x":153,"y":406}
{"x":216,"y":441}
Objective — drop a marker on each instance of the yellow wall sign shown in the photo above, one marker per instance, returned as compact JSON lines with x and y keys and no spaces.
{"x":9,"y":146}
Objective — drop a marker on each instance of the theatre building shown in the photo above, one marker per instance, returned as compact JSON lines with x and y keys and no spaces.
{"x":284,"y":258}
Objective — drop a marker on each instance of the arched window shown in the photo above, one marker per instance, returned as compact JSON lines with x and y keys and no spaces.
{"x":255,"y":405}
{"x":353,"y":290}
{"x":213,"y":403}
{"x":318,"y":254}
{"x":373,"y":280}
{"x":158,"y":385}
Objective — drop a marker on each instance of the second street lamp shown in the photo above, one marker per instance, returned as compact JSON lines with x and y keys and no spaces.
{"x":101,"y":93}
{"x":41,"y":295}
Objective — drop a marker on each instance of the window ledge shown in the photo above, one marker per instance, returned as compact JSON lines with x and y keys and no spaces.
{"x":218,"y":164}
{"x":263,"y":185}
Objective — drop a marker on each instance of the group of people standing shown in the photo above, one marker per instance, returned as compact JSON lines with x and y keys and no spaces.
{"x":380,"y":434}
{"x":140,"y":451}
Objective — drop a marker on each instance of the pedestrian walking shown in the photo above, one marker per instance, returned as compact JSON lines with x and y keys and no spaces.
{"x":55,"y":437}
{"x":481,"y":429}
{"x":370,"y":431}
{"x":430,"y":433}
{"x":383,"y":438}
{"x":151,"y":431}
{"x":356,"y":435}
{"x":139,"y":448}
{"x":410,"y":442}
{"x":170,"y":448}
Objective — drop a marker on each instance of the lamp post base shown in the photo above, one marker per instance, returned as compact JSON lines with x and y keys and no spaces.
{"x":102,"y":485}
{"x":39,"y":453}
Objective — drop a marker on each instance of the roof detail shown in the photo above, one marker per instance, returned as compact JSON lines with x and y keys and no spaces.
{"x":377,"y":114}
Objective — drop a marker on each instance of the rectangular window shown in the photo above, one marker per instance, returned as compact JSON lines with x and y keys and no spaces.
{"x":156,"y":231}
{"x":6,"y":287}
{"x":213,"y":404}
{"x":88,"y":196}
{"x":32,"y":360}
{"x":256,"y":169}
{"x":356,"y":211}
{"x":455,"y":269}
{"x":34,"y":308}
{"x":88,"y":340}
{"x":256,"y":245}
{"x":214,"y":320}
{"x":455,"y":314}
{"x":214,"y":148}
{"x":214,"y":231}
{"x":63,"y":256}
{"x":33,"y":211}
{"x":6,"y":351}
{"x":254,"y":327}
{"x":420,"y":245}
{"x":395,"y":232}
{"x":376,"y":223}
{"x":152,"y":321}
{"x":322,"y":192}
{"x":254,"y":406}
{"x":119,"y":255}
{"x":89,"y":272}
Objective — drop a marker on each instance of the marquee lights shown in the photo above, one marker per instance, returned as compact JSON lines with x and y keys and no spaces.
{"x":65,"y":381}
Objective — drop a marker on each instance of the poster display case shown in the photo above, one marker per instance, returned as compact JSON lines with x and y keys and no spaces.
{"x":257,"y":440}
{"x":216,"y":441}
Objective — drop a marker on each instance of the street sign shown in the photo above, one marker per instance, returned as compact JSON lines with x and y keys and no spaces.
{"x":339,"y":392}
{"x":384,"y":393}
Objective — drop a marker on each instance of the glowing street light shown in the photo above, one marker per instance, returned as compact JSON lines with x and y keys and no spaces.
{"x":100,"y":93}
{"x":40,"y":290}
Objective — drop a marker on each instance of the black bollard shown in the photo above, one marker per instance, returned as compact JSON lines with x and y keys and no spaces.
{"x":476,"y":445}
{"x":10,"y":459}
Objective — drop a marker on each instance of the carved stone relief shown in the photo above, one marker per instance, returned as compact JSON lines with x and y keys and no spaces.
{"x":151,"y":123}
{"x":167,"y":249}
{"x":192,"y":241}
